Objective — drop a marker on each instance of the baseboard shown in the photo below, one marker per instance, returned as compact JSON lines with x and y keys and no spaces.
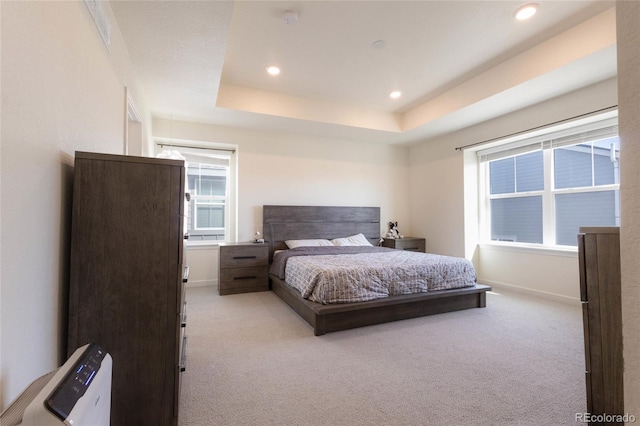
{"x":497,"y":286}
{"x":202,"y":283}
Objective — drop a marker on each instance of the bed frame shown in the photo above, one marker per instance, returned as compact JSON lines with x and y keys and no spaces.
{"x":281,"y":223}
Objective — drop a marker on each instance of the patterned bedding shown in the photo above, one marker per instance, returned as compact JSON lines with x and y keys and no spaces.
{"x":355,"y":274}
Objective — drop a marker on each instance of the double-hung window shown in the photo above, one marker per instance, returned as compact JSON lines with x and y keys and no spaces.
{"x":210,"y":180}
{"x":208,"y":187}
{"x":541,"y":190}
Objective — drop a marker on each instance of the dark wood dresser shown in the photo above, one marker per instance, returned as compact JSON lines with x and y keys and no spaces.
{"x":127,"y":279}
{"x":407,"y":243}
{"x":244,"y":267}
{"x":600,"y":290}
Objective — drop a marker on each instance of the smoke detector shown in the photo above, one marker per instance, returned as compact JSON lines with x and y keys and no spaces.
{"x":290,"y":17}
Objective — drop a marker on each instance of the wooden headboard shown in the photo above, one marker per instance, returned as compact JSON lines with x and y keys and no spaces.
{"x":281,"y":223}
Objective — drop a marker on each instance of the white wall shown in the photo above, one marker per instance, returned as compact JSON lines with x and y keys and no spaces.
{"x":437,"y":196}
{"x":544,"y":273}
{"x":437,"y":175}
{"x":285,"y":168}
{"x":628,"y":16}
{"x":203,"y":262}
{"x":62,"y":91}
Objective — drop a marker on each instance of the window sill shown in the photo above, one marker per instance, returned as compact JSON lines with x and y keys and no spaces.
{"x":564,"y":251}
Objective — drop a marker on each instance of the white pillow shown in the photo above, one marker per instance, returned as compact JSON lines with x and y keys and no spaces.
{"x":354,"y":240}
{"x":307,"y":243}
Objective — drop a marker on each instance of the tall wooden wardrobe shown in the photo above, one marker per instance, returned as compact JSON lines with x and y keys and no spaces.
{"x":600,"y":292}
{"x":126,"y":279}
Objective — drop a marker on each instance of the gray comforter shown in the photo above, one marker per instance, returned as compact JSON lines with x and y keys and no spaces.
{"x":355,"y":274}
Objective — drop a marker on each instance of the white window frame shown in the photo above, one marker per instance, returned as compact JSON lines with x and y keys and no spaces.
{"x":211,"y":200}
{"x":190,"y":150}
{"x":548,"y":193}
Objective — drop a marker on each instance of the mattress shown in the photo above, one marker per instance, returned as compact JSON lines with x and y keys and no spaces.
{"x":355,"y":274}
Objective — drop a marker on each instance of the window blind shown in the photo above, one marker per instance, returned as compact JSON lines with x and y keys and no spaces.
{"x":586,"y":136}
{"x":580,"y":134}
{"x":205,"y":159}
{"x":202,"y":155}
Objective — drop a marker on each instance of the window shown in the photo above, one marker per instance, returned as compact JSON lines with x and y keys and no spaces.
{"x":542,"y":190}
{"x":210,"y":181}
{"x":208,"y":189}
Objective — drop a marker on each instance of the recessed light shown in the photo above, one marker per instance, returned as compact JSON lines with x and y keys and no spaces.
{"x":526,"y":11}
{"x":273,"y":70}
{"x":378,"y":44}
{"x":395,"y":94}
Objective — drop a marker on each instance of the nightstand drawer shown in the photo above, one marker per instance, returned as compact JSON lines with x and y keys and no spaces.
{"x":244,"y":256}
{"x":409,"y":244}
{"x":240,"y":280}
{"x":244,"y":267}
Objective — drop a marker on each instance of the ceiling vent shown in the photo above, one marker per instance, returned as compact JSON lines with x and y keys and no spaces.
{"x":99,"y":17}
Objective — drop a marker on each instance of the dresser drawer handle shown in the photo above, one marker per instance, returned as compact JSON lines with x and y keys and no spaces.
{"x":245,"y":257}
{"x":411,"y":248}
{"x":253,"y":277}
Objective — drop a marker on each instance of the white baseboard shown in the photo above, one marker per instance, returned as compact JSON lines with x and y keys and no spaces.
{"x":531,"y":292}
{"x":202,"y":283}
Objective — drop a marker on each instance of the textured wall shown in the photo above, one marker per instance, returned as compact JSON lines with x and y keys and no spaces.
{"x":628,"y":17}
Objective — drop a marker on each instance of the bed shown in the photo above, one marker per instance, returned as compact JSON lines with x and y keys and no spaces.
{"x":282,"y":223}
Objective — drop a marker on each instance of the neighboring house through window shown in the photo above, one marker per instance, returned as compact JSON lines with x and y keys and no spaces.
{"x":541,"y":190}
{"x":209,"y":199}
{"x":210,"y":178}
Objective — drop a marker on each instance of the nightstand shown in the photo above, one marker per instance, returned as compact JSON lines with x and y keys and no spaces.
{"x":244,"y":267}
{"x":407,"y":243}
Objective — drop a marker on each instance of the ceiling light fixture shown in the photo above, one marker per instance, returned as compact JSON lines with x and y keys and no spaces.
{"x":526,"y":11}
{"x":273,"y":70}
{"x":378,"y":44}
{"x":395,"y":94}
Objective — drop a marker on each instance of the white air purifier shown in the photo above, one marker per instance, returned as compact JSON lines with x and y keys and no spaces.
{"x":76,"y":394}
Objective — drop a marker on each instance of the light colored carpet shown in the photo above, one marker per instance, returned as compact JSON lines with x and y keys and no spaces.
{"x":252,"y":361}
